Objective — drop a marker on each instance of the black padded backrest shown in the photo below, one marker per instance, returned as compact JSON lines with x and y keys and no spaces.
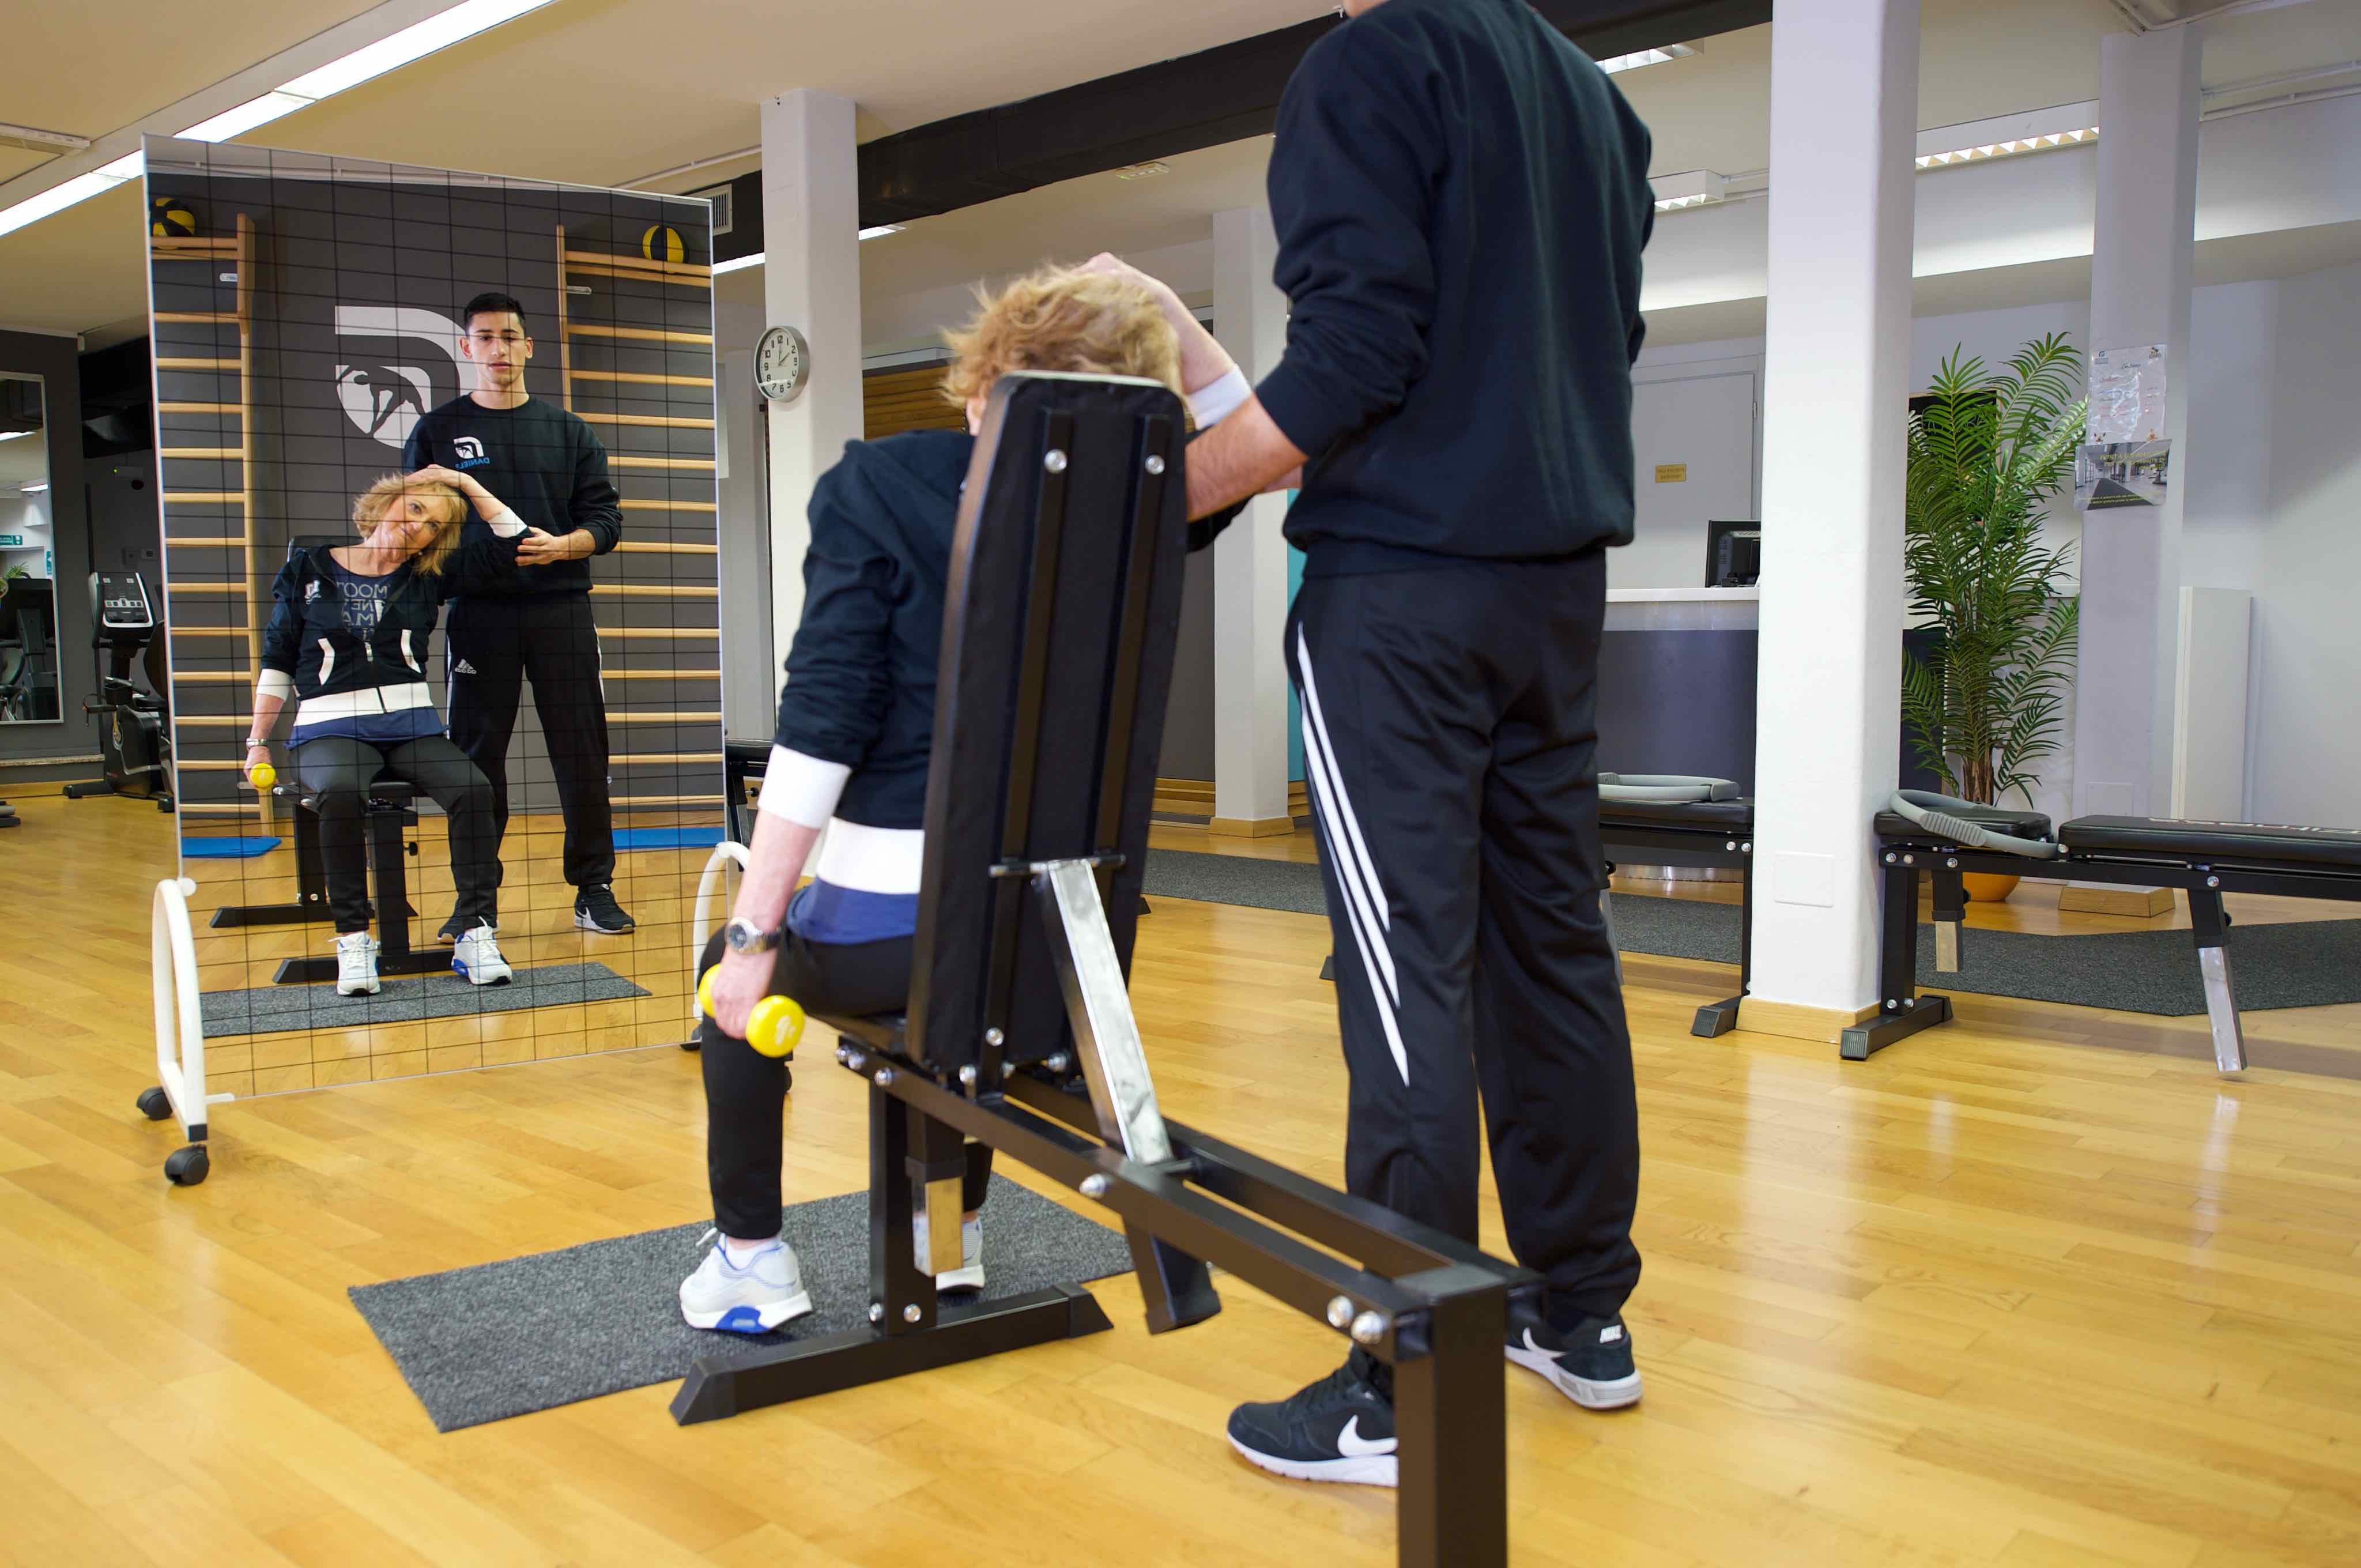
{"x":2244,"y":843}
{"x":1062,"y":607}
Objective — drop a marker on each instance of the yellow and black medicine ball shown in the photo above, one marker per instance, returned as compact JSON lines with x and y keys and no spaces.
{"x":170,"y":217}
{"x":662,"y":244}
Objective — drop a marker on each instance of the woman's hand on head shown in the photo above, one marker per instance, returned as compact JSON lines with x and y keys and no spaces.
{"x":741,"y":980}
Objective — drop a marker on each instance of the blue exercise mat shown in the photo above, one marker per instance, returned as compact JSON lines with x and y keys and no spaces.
{"x":667,"y":837}
{"x":210,"y":848}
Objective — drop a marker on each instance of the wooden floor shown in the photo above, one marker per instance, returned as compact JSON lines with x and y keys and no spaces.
{"x":1993,"y":1297}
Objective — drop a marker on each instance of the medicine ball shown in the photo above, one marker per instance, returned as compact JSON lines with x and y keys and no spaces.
{"x":662,"y":244}
{"x":171,"y":217}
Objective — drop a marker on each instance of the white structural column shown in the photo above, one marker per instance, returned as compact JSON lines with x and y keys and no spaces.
{"x":811,"y":281}
{"x":1250,"y":558}
{"x":2143,"y":255}
{"x":1844,"y":92}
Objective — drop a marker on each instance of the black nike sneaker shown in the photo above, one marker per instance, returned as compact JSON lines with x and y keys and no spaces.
{"x":459,"y":925}
{"x":1590,"y":1364}
{"x":595,"y":909}
{"x":1339,"y":1429}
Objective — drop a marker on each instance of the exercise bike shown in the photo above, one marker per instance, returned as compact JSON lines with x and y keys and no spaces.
{"x":134,"y":729}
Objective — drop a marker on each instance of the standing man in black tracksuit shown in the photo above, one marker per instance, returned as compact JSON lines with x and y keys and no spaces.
{"x":534,"y":621}
{"x":1461,"y":197}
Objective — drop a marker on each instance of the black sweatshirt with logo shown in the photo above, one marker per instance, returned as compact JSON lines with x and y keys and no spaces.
{"x":549,"y":469}
{"x":1461,"y":197}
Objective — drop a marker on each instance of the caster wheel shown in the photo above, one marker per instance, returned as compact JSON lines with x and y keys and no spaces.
{"x":155,"y":1104}
{"x":187,"y":1166}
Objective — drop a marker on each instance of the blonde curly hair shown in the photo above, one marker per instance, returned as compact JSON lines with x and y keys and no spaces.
{"x":368,"y":508}
{"x":1061,"y":318}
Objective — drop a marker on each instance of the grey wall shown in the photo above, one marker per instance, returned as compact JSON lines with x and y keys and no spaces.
{"x":55,"y":360}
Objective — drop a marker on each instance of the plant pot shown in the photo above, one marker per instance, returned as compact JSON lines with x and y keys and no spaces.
{"x":1988,"y":887}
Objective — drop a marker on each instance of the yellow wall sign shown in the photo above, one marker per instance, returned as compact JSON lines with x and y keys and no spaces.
{"x":1672,"y":473}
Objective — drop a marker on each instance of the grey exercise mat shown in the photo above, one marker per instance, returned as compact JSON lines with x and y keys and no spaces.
{"x":2310,"y":963}
{"x":263,"y":1008}
{"x":506,"y":1339}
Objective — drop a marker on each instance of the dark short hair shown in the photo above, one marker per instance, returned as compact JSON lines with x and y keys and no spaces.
{"x":491,"y":301}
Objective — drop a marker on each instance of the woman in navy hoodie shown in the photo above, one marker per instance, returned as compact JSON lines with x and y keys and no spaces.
{"x":856,"y":724}
{"x":347,"y":639}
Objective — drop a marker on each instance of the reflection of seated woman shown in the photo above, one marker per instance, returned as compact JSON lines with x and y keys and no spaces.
{"x":856,"y":724}
{"x":347,"y":637}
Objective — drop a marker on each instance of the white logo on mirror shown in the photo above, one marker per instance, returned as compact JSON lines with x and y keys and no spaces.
{"x":385,"y":397}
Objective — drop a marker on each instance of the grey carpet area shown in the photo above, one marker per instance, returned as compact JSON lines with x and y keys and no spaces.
{"x":265,"y":1008}
{"x":505,"y":1339}
{"x":2310,"y":963}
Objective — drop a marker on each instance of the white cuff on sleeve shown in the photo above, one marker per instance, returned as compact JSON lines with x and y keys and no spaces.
{"x":1216,"y":402}
{"x":275,"y":683}
{"x":508,"y":526}
{"x":800,"y":789}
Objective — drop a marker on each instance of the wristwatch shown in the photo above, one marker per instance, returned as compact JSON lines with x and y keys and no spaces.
{"x":744,"y":937}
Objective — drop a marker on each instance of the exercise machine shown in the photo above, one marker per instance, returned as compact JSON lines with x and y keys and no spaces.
{"x":135,"y":727}
{"x":1062,"y":614}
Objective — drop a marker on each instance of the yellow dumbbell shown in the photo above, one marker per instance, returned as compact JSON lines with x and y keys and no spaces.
{"x":774,"y":1026}
{"x":264,"y":775}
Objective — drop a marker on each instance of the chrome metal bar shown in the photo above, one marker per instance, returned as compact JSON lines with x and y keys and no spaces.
{"x":1098,"y":1003}
{"x":1946,"y":946}
{"x":2222,"y":1010}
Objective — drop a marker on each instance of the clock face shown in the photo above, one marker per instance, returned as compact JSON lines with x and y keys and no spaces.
{"x":781,"y":363}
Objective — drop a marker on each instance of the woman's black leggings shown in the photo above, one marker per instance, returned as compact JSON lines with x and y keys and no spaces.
{"x":745,"y":1092}
{"x":336,"y":772}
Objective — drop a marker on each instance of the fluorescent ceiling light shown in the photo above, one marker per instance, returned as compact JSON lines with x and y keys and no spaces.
{"x":2009,"y":148}
{"x":879,"y":231}
{"x":56,"y":198}
{"x":1614,"y":64}
{"x":740,"y":264}
{"x":415,"y":42}
{"x":437,"y":32}
{"x":34,"y":489}
{"x":1694,"y":187}
{"x":245,"y":117}
{"x":13,"y":434}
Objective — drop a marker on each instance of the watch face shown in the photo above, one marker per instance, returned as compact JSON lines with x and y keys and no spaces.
{"x":781,"y":363}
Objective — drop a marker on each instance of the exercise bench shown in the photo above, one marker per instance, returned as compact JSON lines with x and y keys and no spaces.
{"x":388,"y":814}
{"x":1061,"y":617}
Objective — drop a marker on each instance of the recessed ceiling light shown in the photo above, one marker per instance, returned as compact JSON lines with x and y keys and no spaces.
{"x":1142,"y":171}
{"x":1692,"y":188}
{"x":2010,"y":148}
{"x":879,"y":231}
{"x":34,"y":489}
{"x":1634,"y":62}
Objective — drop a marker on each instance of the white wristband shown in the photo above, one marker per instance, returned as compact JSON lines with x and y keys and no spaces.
{"x":1217,"y":401}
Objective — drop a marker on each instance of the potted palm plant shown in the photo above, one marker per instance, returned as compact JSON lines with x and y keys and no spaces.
{"x":1983,"y":703}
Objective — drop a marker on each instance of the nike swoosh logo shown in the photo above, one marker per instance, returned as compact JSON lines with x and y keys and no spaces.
{"x":1353,"y":1445}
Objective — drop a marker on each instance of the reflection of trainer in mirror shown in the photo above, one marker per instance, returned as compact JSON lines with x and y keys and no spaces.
{"x":531,"y":619}
{"x":347,"y":639}
{"x":856,"y":727}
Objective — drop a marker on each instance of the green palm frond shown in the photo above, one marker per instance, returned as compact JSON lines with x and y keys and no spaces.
{"x":1987,"y":451}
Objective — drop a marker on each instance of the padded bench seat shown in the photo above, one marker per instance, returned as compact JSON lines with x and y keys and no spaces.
{"x":2241,"y":843}
{"x":1892,"y":827}
{"x":1718,"y":816}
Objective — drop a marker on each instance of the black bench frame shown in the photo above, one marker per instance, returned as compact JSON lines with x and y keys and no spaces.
{"x":1653,"y":842}
{"x":386,"y":817}
{"x":1903,"y":1012}
{"x":1058,"y":647}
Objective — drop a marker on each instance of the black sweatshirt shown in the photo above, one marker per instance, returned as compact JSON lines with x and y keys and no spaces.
{"x":1461,"y":197}
{"x":549,"y":469}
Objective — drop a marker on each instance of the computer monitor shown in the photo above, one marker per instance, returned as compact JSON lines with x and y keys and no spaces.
{"x":1733,"y":553}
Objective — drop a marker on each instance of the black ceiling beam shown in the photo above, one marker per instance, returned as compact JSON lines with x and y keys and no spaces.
{"x":1208,"y":99}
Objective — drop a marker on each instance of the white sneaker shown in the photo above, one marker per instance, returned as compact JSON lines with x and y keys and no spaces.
{"x":969,"y":1275}
{"x":356,"y":964}
{"x":477,"y":958}
{"x":766,"y":1291}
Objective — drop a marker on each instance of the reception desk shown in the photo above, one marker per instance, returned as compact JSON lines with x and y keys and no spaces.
{"x":1676,"y":682}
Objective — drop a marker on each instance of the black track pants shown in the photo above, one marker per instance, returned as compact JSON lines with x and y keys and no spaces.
{"x":336,"y":771}
{"x":1450,"y":741}
{"x":745,"y":1115}
{"x":493,"y":646}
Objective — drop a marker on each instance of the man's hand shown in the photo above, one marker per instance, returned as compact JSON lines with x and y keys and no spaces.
{"x":436,"y":474}
{"x":740,"y":980}
{"x":1203,"y":361}
{"x":536,"y":547}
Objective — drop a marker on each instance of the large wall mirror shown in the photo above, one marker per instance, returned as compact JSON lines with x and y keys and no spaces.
{"x":30,"y":691}
{"x":491,"y":698}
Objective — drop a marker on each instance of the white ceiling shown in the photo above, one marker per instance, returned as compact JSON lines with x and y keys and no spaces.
{"x":605,"y":90}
